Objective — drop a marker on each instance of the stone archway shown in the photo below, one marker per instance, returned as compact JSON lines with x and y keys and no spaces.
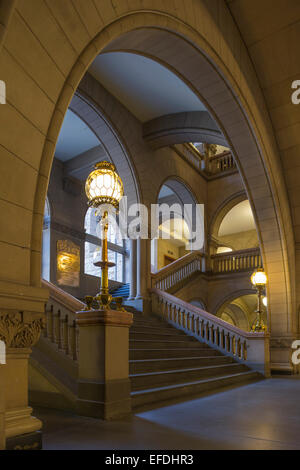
{"x":216,"y":68}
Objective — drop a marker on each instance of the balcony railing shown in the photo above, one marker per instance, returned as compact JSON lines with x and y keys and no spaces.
{"x":212,"y":166}
{"x":233,"y":261}
{"x":221,"y":163}
{"x":175,"y":272}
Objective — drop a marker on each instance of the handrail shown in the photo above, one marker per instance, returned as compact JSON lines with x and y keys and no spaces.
{"x":61,"y":329}
{"x":177,"y":271}
{"x":247,"y":347}
{"x":67,"y":300}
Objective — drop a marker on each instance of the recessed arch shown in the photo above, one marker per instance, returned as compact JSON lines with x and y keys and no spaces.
{"x":222,"y":210}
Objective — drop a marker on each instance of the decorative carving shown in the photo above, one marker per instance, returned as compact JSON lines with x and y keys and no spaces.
{"x":17,"y":333}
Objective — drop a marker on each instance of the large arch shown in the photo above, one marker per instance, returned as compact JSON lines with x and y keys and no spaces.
{"x":209,"y":62}
{"x":111,"y":141}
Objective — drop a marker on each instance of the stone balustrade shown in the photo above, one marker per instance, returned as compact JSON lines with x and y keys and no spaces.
{"x":221,"y":163}
{"x":249,"y":348}
{"x":179,"y":270}
{"x":233,"y":261}
{"x":61,"y":328}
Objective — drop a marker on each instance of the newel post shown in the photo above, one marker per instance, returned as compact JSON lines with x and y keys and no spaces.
{"x":103,"y":384}
{"x":258,"y":353}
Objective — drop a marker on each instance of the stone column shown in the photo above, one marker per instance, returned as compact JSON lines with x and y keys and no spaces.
{"x":103,"y":383}
{"x":133,"y":268}
{"x":20,"y":331}
{"x":2,"y":408}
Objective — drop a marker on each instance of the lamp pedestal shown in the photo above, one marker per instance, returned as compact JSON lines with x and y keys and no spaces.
{"x":258,"y":325}
{"x":104,"y":385}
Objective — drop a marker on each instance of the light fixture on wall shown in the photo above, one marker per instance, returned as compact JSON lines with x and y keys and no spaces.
{"x":259,"y":280}
{"x":265,"y":301}
{"x":104,"y":187}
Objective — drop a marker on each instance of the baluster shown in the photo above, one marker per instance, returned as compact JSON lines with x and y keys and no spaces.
{"x":227,"y":342}
{"x":206,"y":332}
{"x":211,"y":334}
{"x":66,"y":335}
{"x":189,"y":318}
{"x":238,"y":348}
{"x":50,"y":328}
{"x":73,"y":346}
{"x":45,"y":332}
{"x":222,"y":340}
{"x":57,"y":335}
{"x":77,"y":341}
{"x":245,"y":350}
{"x":233,"y":345}
{"x":217,"y":336}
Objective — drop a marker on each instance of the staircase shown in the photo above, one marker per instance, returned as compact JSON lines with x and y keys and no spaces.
{"x":122,"y":291}
{"x":167,"y":366}
{"x":177,"y":353}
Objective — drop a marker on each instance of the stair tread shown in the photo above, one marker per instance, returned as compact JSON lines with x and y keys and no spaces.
{"x":181,"y":385}
{"x":182,"y":349}
{"x":190,"y":369}
{"x":170,"y":359}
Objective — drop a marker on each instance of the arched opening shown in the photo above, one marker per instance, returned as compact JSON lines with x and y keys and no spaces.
{"x":240,"y":311}
{"x":237,"y":230}
{"x":176,"y":212}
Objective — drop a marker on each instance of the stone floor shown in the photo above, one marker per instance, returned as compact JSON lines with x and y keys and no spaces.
{"x":265,"y":415}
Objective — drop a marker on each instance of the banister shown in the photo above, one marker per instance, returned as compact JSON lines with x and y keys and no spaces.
{"x":177,"y":263}
{"x":230,"y":254}
{"x":62,"y":297}
{"x":206,"y":315}
{"x":246,"y":347}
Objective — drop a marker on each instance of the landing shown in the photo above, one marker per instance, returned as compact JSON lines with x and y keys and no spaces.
{"x":263,"y":415}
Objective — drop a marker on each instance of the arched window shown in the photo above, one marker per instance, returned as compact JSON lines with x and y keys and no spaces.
{"x":92,"y":253}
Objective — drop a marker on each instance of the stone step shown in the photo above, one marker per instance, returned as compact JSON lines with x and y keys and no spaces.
{"x":162,"y":396}
{"x":159,"y":335}
{"x":184,"y":342}
{"x":136,"y":354}
{"x":165,"y":378}
{"x":154,"y":329}
{"x":155,"y":365}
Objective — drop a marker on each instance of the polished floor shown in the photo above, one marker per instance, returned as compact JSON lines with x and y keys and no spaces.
{"x":264,"y":415}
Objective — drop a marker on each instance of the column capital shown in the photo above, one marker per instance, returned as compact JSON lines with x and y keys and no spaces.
{"x":20,"y":329}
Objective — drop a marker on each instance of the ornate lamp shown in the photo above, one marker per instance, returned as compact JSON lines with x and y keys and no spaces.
{"x":259,"y":280}
{"x":104,"y":186}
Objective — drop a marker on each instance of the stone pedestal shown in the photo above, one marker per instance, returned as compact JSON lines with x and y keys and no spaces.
{"x":103,"y":384}
{"x":18,"y":419}
{"x":2,"y":408}
{"x":20,"y":331}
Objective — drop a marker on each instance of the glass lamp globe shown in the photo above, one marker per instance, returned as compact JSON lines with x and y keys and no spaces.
{"x":104,"y":185}
{"x":259,"y":278}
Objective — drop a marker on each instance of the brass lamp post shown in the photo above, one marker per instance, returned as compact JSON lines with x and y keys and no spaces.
{"x":259,"y":280}
{"x":104,"y":186}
